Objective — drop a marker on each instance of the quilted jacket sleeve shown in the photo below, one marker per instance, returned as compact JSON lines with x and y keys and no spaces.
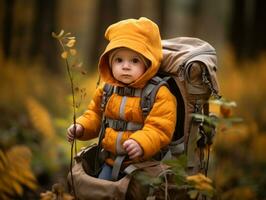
{"x":91,"y":119}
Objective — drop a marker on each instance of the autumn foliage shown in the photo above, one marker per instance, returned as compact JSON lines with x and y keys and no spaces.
{"x":36,"y":110}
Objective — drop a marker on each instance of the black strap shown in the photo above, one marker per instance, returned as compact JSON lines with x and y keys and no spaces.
{"x":127,"y":91}
{"x":149,"y":93}
{"x":117,"y":166}
{"x":107,"y":92}
{"x":122,"y":125}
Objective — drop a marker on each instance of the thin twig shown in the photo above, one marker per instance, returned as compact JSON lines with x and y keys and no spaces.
{"x":70,"y":76}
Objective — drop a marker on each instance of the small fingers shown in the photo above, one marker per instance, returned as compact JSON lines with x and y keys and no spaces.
{"x":132,"y":148}
{"x":134,"y":153}
{"x":129,"y":147}
{"x":70,"y":135}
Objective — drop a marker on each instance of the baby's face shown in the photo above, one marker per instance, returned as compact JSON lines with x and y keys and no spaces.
{"x":127,"y":66}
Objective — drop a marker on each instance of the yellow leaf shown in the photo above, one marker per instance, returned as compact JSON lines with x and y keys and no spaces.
{"x":40,"y":118}
{"x":18,"y":172}
{"x":6,"y":185}
{"x":64,"y":55}
{"x":71,"y":43}
{"x":19,"y":153}
{"x":29,"y":175}
{"x":71,"y":38}
{"x":17,"y":188}
{"x":58,"y":35}
{"x":204,"y":187}
{"x":198,"y":178}
{"x":31,"y":185}
{"x":24,"y":177}
{"x":3,"y":158}
{"x":61,"y":33}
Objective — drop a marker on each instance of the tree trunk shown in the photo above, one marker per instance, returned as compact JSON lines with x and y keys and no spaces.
{"x":7,"y":30}
{"x":44,"y":24}
{"x":247,"y":28}
{"x":107,"y":14}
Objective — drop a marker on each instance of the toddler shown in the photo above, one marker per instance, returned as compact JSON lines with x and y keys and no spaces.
{"x":131,"y":58}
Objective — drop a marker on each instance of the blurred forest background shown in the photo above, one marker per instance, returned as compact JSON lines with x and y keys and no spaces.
{"x":35,"y":100}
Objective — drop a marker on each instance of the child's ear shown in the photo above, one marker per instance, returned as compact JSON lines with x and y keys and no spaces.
{"x":146,"y":61}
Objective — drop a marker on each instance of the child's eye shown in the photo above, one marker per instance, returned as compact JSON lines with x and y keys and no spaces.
{"x":135,"y":60}
{"x":119,"y":60}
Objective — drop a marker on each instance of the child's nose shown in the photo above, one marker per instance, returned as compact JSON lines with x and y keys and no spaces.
{"x":126,"y":65}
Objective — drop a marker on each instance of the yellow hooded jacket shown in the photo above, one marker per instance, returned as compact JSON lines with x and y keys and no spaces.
{"x":142,"y":36}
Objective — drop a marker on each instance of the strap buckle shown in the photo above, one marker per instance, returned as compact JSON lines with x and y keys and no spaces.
{"x":146,"y":105}
{"x":125,"y":91}
{"x":118,"y":125}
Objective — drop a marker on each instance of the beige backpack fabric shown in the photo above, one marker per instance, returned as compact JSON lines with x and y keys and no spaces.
{"x":90,"y":188}
{"x":87,"y":187}
{"x":192,"y":64}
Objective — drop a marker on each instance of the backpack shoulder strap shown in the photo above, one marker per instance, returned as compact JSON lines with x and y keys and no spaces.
{"x":149,"y":92}
{"x":107,"y":92}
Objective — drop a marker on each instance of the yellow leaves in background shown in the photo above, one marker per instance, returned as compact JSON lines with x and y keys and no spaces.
{"x":42,"y":122}
{"x":40,"y":118}
{"x":15,"y":172}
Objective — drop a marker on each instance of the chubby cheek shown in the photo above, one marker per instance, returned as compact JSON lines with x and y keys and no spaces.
{"x":115,"y":72}
{"x":114,"y":75}
{"x":139,"y":72}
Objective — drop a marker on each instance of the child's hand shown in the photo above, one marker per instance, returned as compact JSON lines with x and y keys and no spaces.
{"x":133,"y":148}
{"x":70,"y":132}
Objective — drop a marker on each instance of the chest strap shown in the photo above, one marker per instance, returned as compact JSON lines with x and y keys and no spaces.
{"x":128,"y":91}
{"x":122,"y":125}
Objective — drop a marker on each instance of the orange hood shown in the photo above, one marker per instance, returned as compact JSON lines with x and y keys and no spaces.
{"x":141,"y":35}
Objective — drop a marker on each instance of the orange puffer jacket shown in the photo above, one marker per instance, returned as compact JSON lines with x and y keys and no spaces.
{"x":142,"y":36}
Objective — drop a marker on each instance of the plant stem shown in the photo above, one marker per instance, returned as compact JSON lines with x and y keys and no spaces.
{"x":70,"y":76}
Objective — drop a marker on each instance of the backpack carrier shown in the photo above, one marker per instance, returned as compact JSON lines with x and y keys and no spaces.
{"x":188,"y":69}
